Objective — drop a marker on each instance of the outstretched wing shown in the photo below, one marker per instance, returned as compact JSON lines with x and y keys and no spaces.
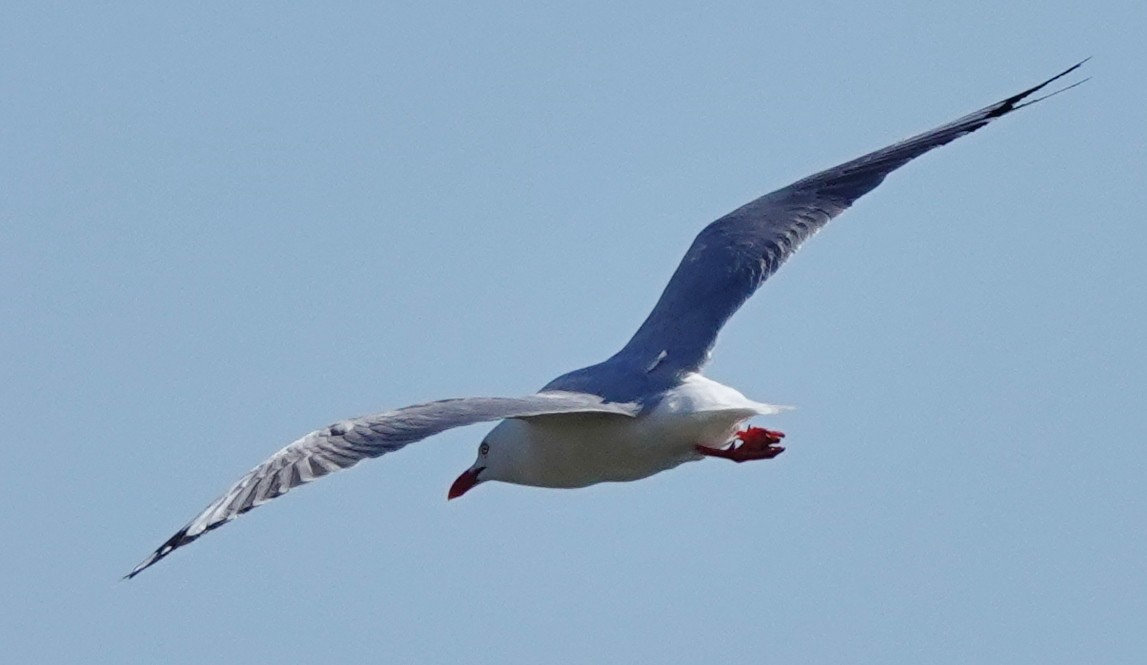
{"x":734,"y":255}
{"x":346,"y":443}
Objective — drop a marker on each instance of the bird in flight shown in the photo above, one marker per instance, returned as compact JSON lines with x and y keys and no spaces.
{"x":647,"y":408}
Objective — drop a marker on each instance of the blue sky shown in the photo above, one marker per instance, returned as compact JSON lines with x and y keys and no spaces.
{"x":221,"y":228}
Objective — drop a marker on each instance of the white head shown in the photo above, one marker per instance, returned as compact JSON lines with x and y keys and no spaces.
{"x":498,"y":457}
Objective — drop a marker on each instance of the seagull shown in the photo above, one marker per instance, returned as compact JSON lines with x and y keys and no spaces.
{"x":647,"y":408}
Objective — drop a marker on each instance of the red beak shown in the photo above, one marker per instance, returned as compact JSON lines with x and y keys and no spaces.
{"x":467,"y":480}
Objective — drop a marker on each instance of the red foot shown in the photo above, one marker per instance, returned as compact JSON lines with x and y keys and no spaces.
{"x":756,"y":443}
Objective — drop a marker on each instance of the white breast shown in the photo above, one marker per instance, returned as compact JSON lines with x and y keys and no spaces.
{"x":575,"y":450}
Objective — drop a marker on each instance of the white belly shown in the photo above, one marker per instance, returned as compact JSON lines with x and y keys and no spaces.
{"x":575,"y":450}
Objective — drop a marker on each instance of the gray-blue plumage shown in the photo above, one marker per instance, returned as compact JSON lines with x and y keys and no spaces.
{"x":734,"y":255}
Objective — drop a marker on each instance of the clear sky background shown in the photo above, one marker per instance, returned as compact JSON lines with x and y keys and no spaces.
{"x":222,"y":227}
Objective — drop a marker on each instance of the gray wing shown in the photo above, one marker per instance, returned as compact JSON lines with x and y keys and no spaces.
{"x":734,"y":255}
{"x":349,"y":442}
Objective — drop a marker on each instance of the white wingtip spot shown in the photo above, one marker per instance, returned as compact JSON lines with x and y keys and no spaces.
{"x":657,"y":361}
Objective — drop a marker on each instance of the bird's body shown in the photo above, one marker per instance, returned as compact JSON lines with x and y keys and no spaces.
{"x":645,"y":409}
{"x":580,"y":449}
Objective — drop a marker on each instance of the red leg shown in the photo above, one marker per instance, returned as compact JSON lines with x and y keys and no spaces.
{"x":756,"y":443}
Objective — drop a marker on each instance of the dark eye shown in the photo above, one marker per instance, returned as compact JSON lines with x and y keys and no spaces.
{"x":483,"y":449}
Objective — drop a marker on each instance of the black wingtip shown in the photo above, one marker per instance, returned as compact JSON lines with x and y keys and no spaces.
{"x":178,"y":540}
{"x":1017,"y":101}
